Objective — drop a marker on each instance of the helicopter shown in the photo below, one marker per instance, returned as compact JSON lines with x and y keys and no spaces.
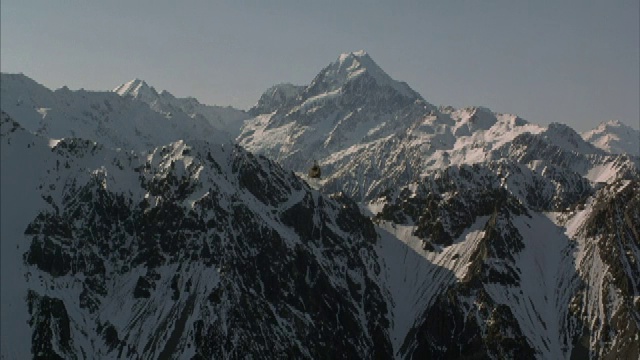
{"x":315,"y":172}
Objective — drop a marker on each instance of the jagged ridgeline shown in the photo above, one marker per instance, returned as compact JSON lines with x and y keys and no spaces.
{"x":130,"y":231}
{"x":201,"y":250}
{"x":530,"y":283}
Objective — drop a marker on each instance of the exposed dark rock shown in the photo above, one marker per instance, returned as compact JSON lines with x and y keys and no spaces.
{"x":297,"y":269}
{"x":51,"y":337}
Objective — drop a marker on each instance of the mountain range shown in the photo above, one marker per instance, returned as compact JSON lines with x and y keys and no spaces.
{"x":140,"y":225}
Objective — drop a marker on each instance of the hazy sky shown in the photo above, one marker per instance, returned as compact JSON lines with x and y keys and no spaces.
{"x":576,"y":62}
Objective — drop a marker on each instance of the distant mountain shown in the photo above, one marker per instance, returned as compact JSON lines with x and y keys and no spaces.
{"x":615,"y":137}
{"x":139,"y":90}
{"x":370,"y":133}
{"x":223,"y":118}
{"x":105,"y":117}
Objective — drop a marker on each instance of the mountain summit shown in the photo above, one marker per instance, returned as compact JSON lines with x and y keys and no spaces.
{"x":137,"y":89}
{"x":370,"y":133}
{"x":226,"y":120}
{"x":354,"y":66}
{"x":350,"y":101}
{"x":615,"y":137}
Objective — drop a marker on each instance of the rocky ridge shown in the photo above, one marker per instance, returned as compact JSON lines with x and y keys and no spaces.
{"x":442,"y":233}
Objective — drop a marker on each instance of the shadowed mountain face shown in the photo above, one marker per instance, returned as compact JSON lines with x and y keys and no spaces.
{"x":138,"y":230}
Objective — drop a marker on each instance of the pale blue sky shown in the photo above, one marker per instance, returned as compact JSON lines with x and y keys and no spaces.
{"x":576,"y":62}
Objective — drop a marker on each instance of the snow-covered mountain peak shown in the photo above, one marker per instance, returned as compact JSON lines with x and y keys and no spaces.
{"x":138,"y":89}
{"x":133,"y":116}
{"x":613,"y":126}
{"x":226,"y":120}
{"x":568,"y":138}
{"x":353,"y":66}
{"x":354,"y":54}
{"x":354,"y":63}
{"x":166,"y":94}
{"x":615,"y":137}
{"x":22,"y":88}
{"x":351,"y":101}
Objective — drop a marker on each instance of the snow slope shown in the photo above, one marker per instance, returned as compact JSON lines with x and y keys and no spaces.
{"x":477,"y":267}
{"x":370,"y":133}
{"x":226,"y":120}
{"x":615,"y":137}
{"x":133,"y":117}
{"x":106,"y":117}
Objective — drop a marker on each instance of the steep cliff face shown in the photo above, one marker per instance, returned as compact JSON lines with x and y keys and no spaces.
{"x":541,"y":264}
{"x":192,"y":250}
{"x":605,"y":309}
